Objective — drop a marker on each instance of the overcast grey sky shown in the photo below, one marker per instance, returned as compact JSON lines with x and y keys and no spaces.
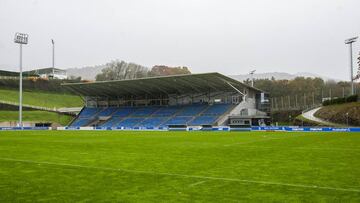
{"x":227,"y":36}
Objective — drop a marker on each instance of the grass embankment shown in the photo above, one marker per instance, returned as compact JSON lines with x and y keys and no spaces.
{"x":35,"y":116}
{"x":338,"y":113}
{"x":285,"y":117}
{"x":42,"y":99}
{"x":137,"y":166}
{"x":302,"y":121}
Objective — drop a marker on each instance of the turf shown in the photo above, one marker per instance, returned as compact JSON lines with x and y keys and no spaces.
{"x":42,"y":99}
{"x":36,"y":116}
{"x":125,"y":166}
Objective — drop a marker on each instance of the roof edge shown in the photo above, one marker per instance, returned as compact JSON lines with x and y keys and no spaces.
{"x":138,"y":79}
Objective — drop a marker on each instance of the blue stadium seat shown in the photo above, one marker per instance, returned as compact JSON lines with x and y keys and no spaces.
{"x":217,"y":109}
{"x":111,"y":122}
{"x":89,"y":112}
{"x":79,"y":122}
{"x":144,"y":111}
{"x":124,"y":111}
{"x":152,"y":122}
{"x":204,"y":120}
{"x":153,"y":116}
{"x":129,"y":122}
{"x":192,"y":110}
{"x":167,"y":111}
{"x":107,"y":111}
{"x":179,"y":120}
{"x":85,"y":117}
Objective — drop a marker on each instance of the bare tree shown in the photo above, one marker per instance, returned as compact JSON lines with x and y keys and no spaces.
{"x":120,"y":70}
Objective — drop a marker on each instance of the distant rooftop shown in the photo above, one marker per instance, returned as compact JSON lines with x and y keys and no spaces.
{"x":43,"y":71}
{"x":35,"y":72}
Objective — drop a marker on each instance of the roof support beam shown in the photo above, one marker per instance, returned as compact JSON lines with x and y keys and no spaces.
{"x":244,"y":95}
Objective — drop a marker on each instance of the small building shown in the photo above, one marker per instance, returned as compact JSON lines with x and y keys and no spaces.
{"x":49,"y":73}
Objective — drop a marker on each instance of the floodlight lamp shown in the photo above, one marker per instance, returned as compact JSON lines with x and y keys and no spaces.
{"x":21,"y":38}
{"x":351,"y":40}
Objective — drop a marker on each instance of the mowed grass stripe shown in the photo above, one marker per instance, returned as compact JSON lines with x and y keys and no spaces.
{"x":184,"y":175}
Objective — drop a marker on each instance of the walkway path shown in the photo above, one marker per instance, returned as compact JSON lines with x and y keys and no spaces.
{"x":310,"y":116}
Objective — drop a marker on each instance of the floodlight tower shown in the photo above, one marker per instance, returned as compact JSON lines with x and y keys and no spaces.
{"x":349,"y":42}
{"x":252,"y":77}
{"x":20,"y":38}
{"x":358,"y":72}
{"x":53,"y":56}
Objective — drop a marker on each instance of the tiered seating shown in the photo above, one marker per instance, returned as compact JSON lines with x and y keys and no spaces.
{"x":151,"y":116}
{"x":81,"y":122}
{"x":217,"y":109}
{"x":89,"y":112}
{"x":167,"y":111}
{"x":118,"y":114}
{"x":107,"y":111}
{"x":192,"y":110}
{"x":203,"y":120}
{"x":179,"y":120}
{"x":85,"y":117}
{"x":144,"y":111}
{"x":152,"y":122}
{"x":111,"y":122}
{"x":124,"y":111}
{"x":130,"y":122}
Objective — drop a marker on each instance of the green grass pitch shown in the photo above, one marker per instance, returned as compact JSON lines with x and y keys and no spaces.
{"x":134,"y":166}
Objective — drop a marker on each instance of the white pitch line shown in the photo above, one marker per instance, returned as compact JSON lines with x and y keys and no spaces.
{"x":197,"y":183}
{"x":186,"y":176}
{"x":255,"y":141}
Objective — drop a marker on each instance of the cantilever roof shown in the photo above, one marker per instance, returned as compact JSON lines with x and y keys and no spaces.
{"x":176,"y":84}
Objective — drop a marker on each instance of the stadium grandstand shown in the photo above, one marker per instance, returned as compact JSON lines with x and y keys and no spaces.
{"x":180,"y":101}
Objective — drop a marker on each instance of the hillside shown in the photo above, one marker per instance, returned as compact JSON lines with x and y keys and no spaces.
{"x":86,"y":73}
{"x":280,"y":76}
{"x":35,"y":116}
{"x":42,"y":99}
{"x":337,"y":113}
